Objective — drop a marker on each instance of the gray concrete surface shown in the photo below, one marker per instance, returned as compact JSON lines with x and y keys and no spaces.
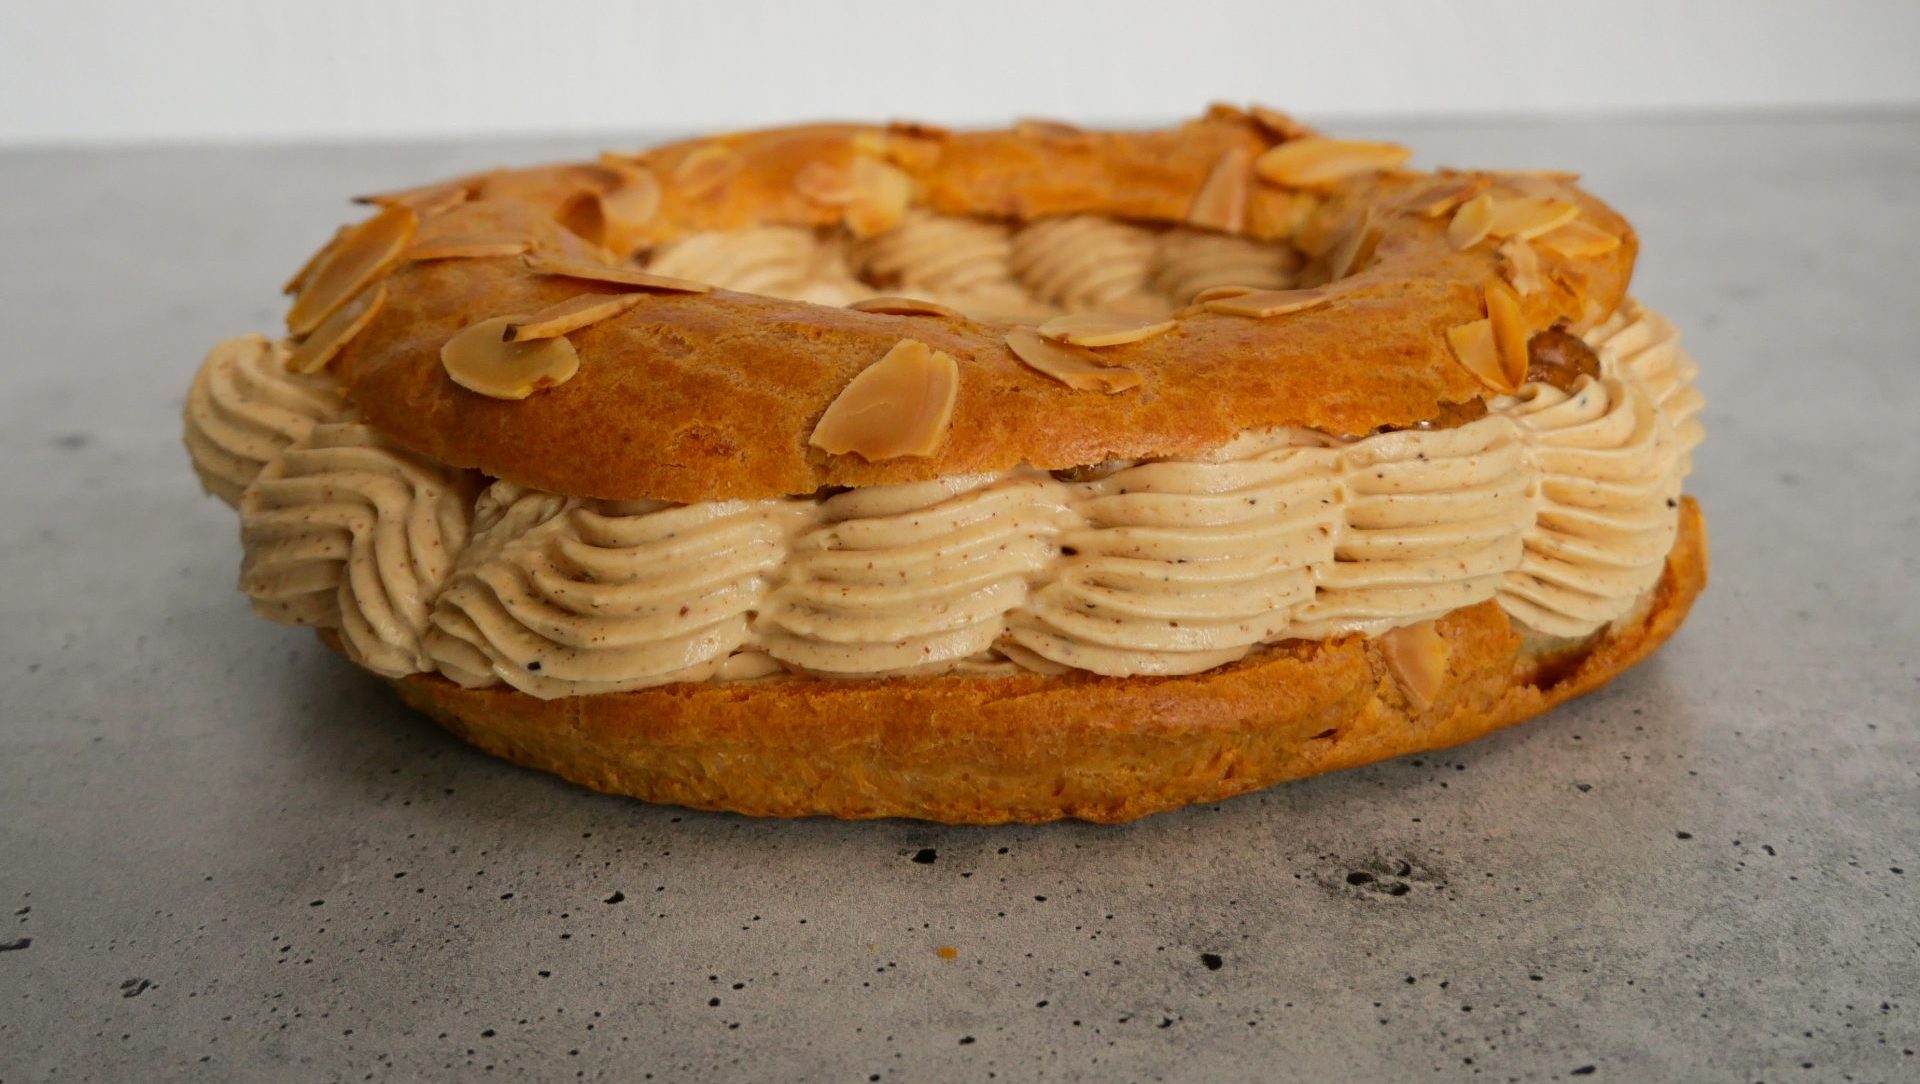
{"x":225,"y":855}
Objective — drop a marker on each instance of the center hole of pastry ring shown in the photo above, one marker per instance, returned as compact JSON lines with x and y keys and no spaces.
{"x":994,"y":271}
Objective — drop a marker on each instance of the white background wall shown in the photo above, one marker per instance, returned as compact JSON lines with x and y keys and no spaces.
{"x":115,"y":70}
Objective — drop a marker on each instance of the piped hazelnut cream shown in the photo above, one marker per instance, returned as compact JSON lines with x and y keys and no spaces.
{"x":1559,"y":504}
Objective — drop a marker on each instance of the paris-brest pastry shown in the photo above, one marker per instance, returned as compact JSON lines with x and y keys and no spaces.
{"x":970,"y":476}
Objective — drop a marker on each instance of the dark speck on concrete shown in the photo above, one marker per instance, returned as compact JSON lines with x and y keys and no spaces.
{"x":926,"y":856}
{"x":16,"y":944}
{"x":617,"y":897}
{"x":966,"y":1040}
{"x":1683,"y":835}
{"x":316,"y":903}
{"x":1212,"y":960}
{"x":1584,"y":1070}
{"x":72,"y":442}
{"x":135,"y":987}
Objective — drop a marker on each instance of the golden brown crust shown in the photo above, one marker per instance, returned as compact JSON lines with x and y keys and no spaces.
{"x":1038,"y":748}
{"x":692,"y":398}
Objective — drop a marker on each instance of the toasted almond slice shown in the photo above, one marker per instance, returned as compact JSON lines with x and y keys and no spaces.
{"x":1261,"y":304}
{"x":320,"y":254}
{"x":899,"y":406}
{"x":585,"y":216}
{"x":1318,"y":162}
{"x":1418,"y":657}
{"x":1473,"y":347}
{"x":464,"y":247}
{"x":363,"y":255}
{"x":1052,"y":131}
{"x":882,"y":194}
{"x":1221,"y":203}
{"x":1445,"y":194}
{"x":426,"y":200}
{"x":1215,"y":293}
{"x":1542,"y":183}
{"x":317,"y":349}
{"x":633,"y":204}
{"x":1509,"y":326}
{"x":1520,"y":264}
{"x":1356,"y":248}
{"x":1471,"y":222}
{"x":1102,"y":329}
{"x":824,"y":183}
{"x":570,"y":315}
{"x":1579,"y":240}
{"x":1278,"y":124}
{"x":893,"y":305}
{"x":620,"y":276}
{"x":480,"y":360}
{"x":706,"y":169}
{"x":1527,"y":217}
{"x":1075,"y":366}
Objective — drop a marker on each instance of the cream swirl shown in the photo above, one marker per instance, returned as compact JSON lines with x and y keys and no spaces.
{"x":1645,"y":342}
{"x":1607,"y":481}
{"x":561,"y":597}
{"x":343,"y":530}
{"x":245,"y":407}
{"x":775,"y":261}
{"x":1184,"y":565}
{"x":1429,"y":521}
{"x":946,"y":254}
{"x":912,"y":578}
{"x":1186,"y":262}
{"x":1078,"y":262}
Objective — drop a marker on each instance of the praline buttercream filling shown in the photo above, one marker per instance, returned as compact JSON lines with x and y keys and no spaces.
{"x":1559,"y":505}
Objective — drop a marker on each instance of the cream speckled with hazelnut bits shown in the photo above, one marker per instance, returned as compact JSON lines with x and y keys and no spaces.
{"x":1559,"y":504}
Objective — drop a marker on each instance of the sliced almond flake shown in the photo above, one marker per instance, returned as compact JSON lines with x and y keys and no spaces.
{"x":1221,"y":203}
{"x":1318,"y":162}
{"x":584,"y":216}
{"x":1542,"y":183}
{"x":458,"y":246}
{"x":1278,"y":124}
{"x":1261,"y":304}
{"x":882,"y":193}
{"x":1471,"y":222}
{"x":1052,"y":131}
{"x":827,"y":184}
{"x":426,"y":200}
{"x":1215,"y":293}
{"x":1418,"y":657}
{"x":1527,"y":217}
{"x":1445,"y":194}
{"x":478,"y":359}
{"x":918,"y":129}
{"x":320,"y":254}
{"x":1592,"y":312}
{"x":1102,"y":329}
{"x":568,"y":316}
{"x":1356,"y":248}
{"x":1520,"y":264}
{"x":364,"y":254}
{"x":620,"y":276}
{"x":314,"y":352}
{"x":706,"y":169}
{"x":1075,"y":366}
{"x":1473,"y":347}
{"x":1509,"y":326}
{"x":899,"y":406}
{"x":892,"y":305}
{"x":633,"y":204}
{"x":1579,"y":240}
